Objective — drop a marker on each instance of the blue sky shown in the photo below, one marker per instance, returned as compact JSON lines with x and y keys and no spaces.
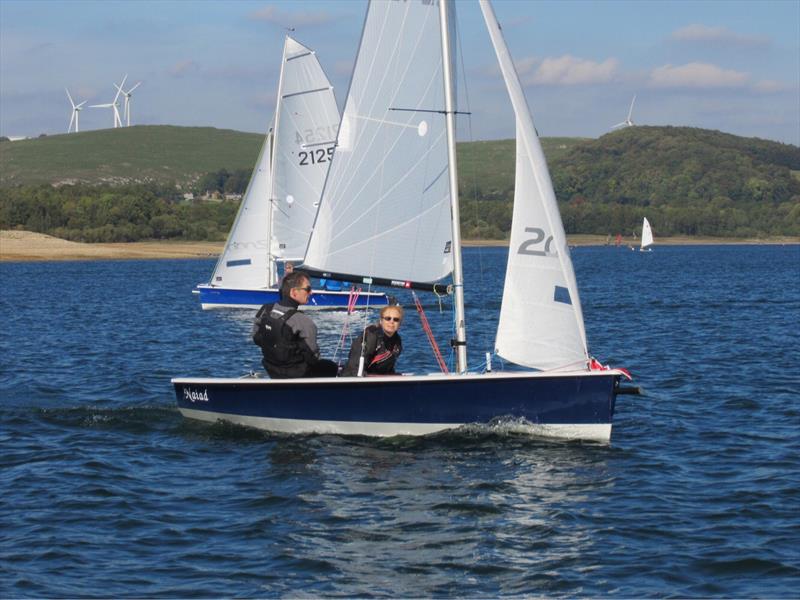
{"x":732,"y":66}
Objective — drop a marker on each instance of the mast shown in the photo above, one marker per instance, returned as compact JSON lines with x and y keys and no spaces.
{"x":273,"y":271}
{"x":458,"y":275}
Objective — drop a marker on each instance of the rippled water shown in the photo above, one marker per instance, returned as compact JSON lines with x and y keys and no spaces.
{"x":108,"y":491}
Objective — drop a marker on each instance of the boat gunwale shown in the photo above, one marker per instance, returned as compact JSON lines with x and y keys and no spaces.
{"x":391,"y":379}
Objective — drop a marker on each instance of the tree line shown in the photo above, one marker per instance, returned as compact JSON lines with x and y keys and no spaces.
{"x":128,"y":213}
{"x":141,"y":212}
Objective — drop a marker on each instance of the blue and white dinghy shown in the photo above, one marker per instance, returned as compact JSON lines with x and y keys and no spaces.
{"x":389,"y":215}
{"x":277,"y":211}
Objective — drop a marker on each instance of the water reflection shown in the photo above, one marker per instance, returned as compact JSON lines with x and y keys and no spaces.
{"x":431,"y":515}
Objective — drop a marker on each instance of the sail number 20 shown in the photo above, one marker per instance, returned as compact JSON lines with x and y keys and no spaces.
{"x":312,"y":157}
{"x":529,"y":246}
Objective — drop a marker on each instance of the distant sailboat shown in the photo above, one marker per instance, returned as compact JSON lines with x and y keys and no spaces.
{"x":647,"y":236}
{"x":278,"y":208}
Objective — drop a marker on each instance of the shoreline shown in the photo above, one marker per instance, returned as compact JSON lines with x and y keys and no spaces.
{"x":27,"y":246}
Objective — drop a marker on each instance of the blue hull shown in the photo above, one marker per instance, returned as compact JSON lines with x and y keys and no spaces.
{"x":572,"y":405}
{"x":215,"y":297}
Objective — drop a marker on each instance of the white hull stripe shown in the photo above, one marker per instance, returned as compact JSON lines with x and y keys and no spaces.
{"x":600,"y":432}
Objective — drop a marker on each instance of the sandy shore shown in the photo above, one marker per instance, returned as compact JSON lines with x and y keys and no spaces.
{"x":17,"y":246}
{"x":29,"y":246}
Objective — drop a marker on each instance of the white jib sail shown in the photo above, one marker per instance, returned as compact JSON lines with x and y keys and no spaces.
{"x":306,"y":125}
{"x":385,"y":209}
{"x":541,"y":323}
{"x":647,"y":234}
{"x":245,"y":261}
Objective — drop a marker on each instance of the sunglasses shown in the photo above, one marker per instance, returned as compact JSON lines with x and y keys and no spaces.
{"x":395,"y":319}
{"x":307,"y":289}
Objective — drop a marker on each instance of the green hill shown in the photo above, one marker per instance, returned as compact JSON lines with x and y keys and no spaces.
{"x":165,"y":155}
{"x":677,"y":166}
{"x":160,"y":154}
{"x":687,"y":181}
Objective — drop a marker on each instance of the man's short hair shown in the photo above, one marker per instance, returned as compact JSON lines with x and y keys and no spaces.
{"x":293,"y":280}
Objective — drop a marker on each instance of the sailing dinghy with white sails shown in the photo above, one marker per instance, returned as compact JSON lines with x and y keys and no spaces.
{"x":647,"y":237}
{"x":389,"y":215}
{"x":278,"y":209}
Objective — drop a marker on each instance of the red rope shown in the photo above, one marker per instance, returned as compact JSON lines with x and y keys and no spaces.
{"x":351,"y":306}
{"x":427,"y":329}
{"x":351,"y":301}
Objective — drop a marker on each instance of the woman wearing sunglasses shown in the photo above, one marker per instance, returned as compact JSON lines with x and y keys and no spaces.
{"x":380,"y":344}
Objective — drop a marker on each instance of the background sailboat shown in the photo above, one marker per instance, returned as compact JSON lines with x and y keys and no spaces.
{"x":394,"y":179}
{"x":647,"y":236}
{"x":278,"y":208}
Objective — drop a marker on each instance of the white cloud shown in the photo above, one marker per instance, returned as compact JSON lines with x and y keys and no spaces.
{"x":770,"y":86}
{"x":697,"y":75}
{"x":272,"y":14}
{"x":183,"y":68}
{"x":717,"y":35}
{"x":567,"y":70}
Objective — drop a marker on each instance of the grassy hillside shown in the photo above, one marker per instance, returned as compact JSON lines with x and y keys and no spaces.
{"x":160,"y":154}
{"x":166,"y":155}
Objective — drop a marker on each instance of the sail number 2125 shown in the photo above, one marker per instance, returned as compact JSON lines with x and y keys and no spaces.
{"x":318,"y":155}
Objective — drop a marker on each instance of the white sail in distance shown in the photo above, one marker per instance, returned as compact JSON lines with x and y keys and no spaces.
{"x":306,"y":124}
{"x":385,"y":208}
{"x":541,"y":322}
{"x":278,"y":208}
{"x":647,"y":234}
{"x":245,"y":261}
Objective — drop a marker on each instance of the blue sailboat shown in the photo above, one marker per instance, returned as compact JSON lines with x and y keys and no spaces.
{"x":278,"y":208}
{"x":389,"y":215}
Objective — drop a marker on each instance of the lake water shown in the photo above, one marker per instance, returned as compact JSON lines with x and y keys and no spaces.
{"x":108,"y":492}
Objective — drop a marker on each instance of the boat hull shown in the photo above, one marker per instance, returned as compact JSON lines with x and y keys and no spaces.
{"x":218,"y":297}
{"x":574,"y":405}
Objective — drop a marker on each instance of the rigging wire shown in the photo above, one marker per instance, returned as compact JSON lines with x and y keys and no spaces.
{"x":352,"y":299}
{"x":426,"y":327}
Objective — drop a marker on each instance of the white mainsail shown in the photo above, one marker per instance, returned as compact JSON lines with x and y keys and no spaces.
{"x":385,"y":209}
{"x":647,"y":234}
{"x":245,"y":262}
{"x":278,"y":208}
{"x":541,"y":322}
{"x":306,"y":123}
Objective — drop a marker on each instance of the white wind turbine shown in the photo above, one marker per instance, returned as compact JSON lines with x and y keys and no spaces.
{"x":627,"y":122}
{"x":113,"y":105}
{"x":76,"y":110}
{"x":126,"y":111}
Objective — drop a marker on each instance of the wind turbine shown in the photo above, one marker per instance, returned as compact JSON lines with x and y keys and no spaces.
{"x":113,"y":105}
{"x":76,"y":109}
{"x":627,"y":122}
{"x":126,"y":111}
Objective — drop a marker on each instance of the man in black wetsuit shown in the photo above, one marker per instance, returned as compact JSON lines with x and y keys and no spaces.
{"x":287,"y":337}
